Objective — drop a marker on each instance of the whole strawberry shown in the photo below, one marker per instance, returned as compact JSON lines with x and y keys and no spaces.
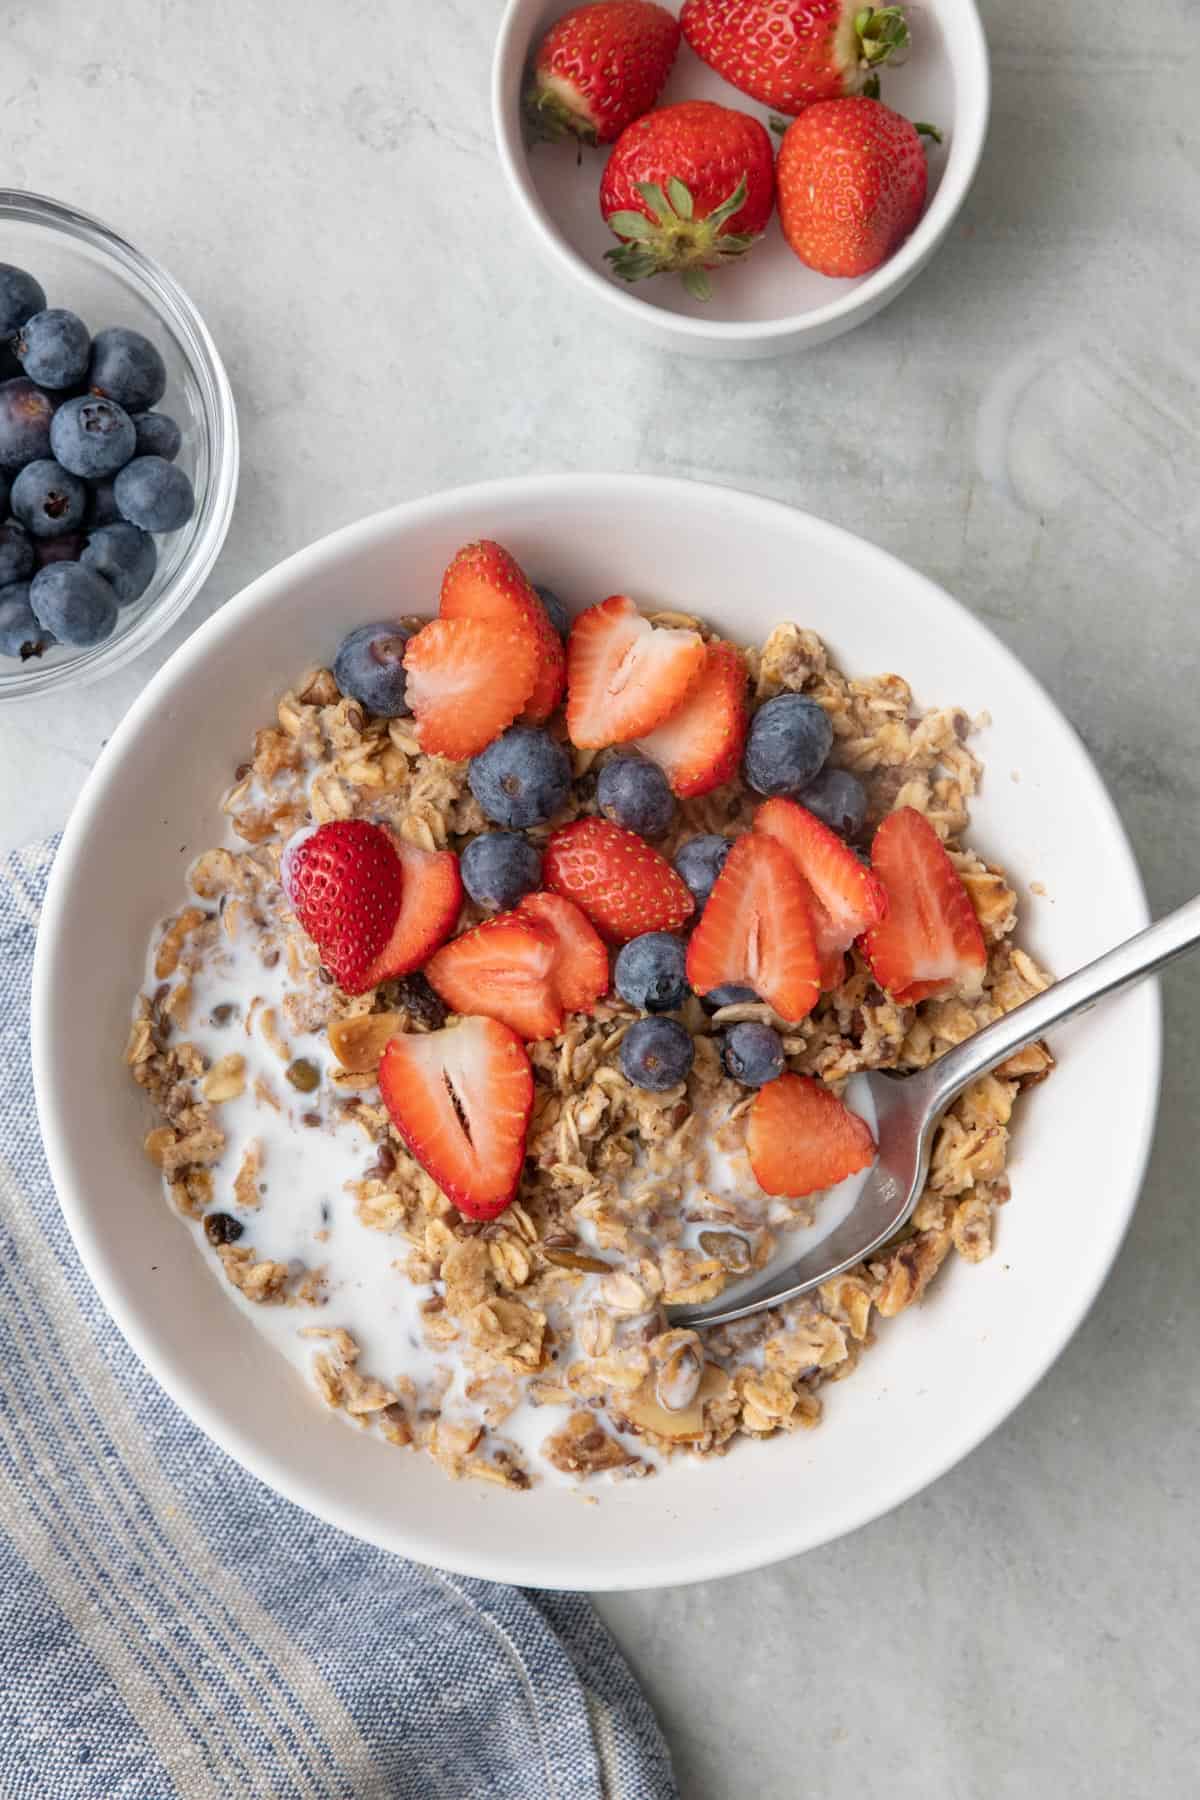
{"x":599,"y":68}
{"x":852,"y":181}
{"x":687,"y":188}
{"x":788,"y":53}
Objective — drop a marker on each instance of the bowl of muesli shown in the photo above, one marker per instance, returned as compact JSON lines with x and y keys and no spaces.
{"x":465,"y":953}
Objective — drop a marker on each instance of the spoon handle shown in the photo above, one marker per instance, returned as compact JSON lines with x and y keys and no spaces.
{"x":1109,"y":974}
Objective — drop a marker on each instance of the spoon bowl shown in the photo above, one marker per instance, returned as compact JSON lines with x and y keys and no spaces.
{"x":908,"y":1107}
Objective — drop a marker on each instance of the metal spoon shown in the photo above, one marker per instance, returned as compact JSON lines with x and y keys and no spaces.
{"x":908,"y":1107}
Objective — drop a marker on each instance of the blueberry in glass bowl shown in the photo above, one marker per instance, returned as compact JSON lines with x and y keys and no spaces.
{"x":153,"y":389}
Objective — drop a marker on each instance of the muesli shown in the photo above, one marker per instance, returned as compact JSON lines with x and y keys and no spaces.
{"x":491,"y":1287}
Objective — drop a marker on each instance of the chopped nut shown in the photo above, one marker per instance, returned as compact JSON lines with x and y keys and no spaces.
{"x":170,"y":945}
{"x":359,"y":1043}
{"x":226,"y":1080}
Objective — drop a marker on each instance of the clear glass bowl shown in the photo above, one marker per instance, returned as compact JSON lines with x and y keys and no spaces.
{"x":84,"y":265}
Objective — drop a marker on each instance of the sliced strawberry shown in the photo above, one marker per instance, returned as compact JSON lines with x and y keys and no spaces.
{"x":502,"y":969}
{"x":801,"y":1139}
{"x":846,"y":898}
{"x":624,"y":675}
{"x":461,"y":1100}
{"x":930,"y":941}
{"x":485,"y":582}
{"x":580,"y":971}
{"x":756,"y":931}
{"x":430,"y":903}
{"x":467,"y":679}
{"x":700,"y":745}
{"x":345,"y":882}
{"x":614,"y":876}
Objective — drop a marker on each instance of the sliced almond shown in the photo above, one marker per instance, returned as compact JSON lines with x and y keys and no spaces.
{"x":685,"y":1426}
{"x":359,"y":1043}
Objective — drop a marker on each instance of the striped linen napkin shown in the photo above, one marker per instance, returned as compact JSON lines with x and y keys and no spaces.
{"x":169,"y":1627}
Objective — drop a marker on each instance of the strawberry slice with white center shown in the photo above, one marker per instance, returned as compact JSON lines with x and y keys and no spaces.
{"x":430,"y":902}
{"x":846,"y":898}
{"x":700,"y":745}
{"x":756,"y":931}
{"x":580,"y":970}
{"x":930,"y":941}
{"x":504,"y":970}
{"x":801,"y":1139}
{"x":467,"y":680}
{"x":485,"y":582}
{"x":461,"y":1099}
{"x":625,"y":675}
{"x":345,"y":882}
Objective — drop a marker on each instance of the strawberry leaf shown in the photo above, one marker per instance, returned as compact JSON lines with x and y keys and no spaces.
{"x":681,"y":197}
{"x":727,"y":208}
{"x":697,"y":283}
{"x":655,"y":199}
{"x":631,"y":225}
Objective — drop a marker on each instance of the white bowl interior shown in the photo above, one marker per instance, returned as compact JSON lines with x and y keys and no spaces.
{"x":944,"y":82}
{"x":943,"y":1375}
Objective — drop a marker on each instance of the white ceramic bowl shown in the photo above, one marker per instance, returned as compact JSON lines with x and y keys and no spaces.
{"x":942,"y":1376}
{"x":772,"y":304}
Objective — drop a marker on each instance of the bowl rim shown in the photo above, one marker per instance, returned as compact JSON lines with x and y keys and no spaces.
{"x":966,"y":149}
{"x":220,"y":412}
{"x":84,"y":1217}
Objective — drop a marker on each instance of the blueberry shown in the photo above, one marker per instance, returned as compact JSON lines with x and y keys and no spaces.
{"x":499,"y":868}
{"x":102,"y":507}
{"x":790,"y":737}
{"x":72,"y":602}
{"x":370,"y":668}
{"x":560,"y":618}
{"x":20,"y":633}
{"x":635,"y":793}
{"x":839,"y":800}
{"x":730,"y":995}
{"x":9,"y":366}
{"x":54,"y":347}
{"x":16,"y":553}
{"x":58,"y":549}
{"x":48,"y":499}
{"x":700,"y":861}
{"x":157,"y":435}
{"x":127,"y":368}
{"x":656,"y":1054}
{"x":25,"y":416}
{"x":20,"y":297}
{"x":522,"y":779}
{"x":651,"y":972}
{"x":154,"y":494}
{"x":92,"y":437}
{"x":752,"y":1053}
{"x":125,"y":556}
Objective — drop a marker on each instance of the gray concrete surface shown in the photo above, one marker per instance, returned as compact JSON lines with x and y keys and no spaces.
{"x":1022,"y":425}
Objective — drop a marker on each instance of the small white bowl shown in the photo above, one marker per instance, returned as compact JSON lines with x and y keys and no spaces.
{"x":773,"y":304}
{"x":942,"y":1376}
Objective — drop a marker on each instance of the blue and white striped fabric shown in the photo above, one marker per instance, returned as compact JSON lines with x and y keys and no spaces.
{"x":170,"y":1627}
